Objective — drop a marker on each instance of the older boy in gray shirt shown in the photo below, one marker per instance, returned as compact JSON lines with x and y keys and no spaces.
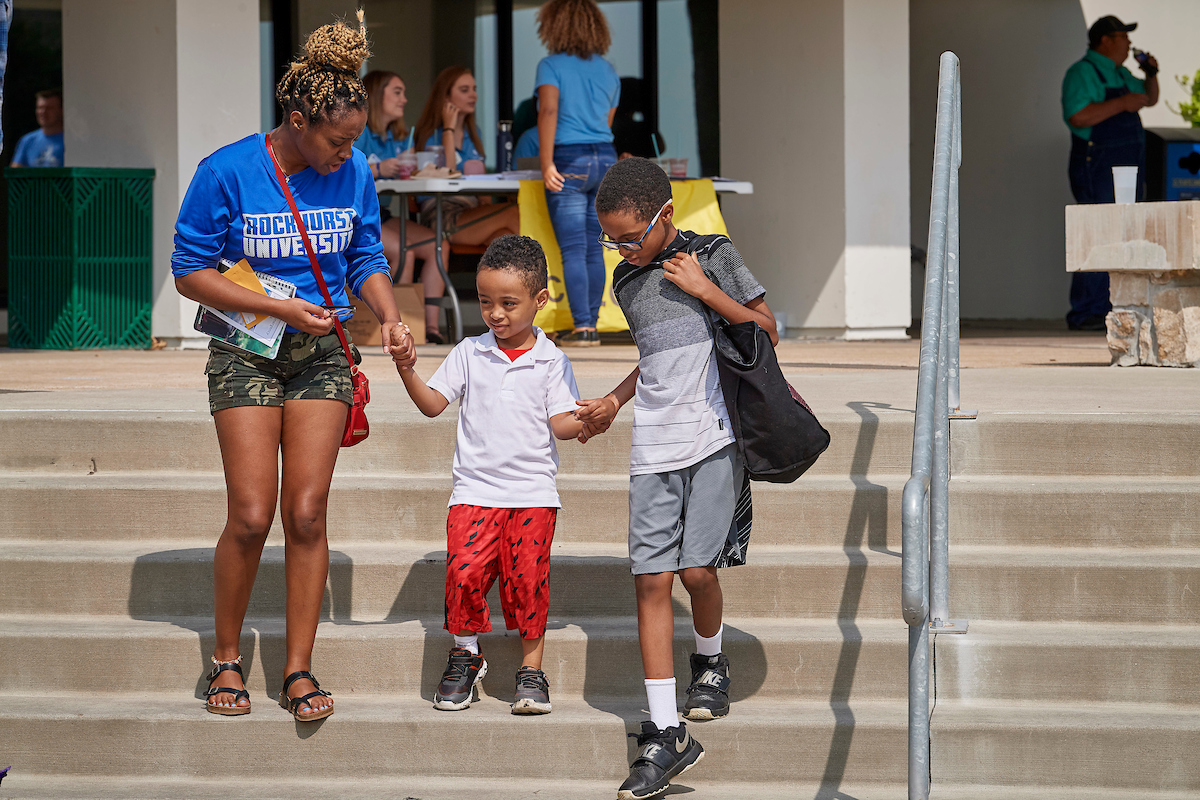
{"x":688,"y":489}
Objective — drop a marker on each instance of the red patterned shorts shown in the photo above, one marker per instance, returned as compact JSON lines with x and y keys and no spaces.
{"x":510,"y":543}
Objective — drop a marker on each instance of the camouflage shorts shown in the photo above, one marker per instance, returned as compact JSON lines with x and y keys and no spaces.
{"x":308,"y":367}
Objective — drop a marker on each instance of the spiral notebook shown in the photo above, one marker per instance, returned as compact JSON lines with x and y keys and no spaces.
{"x":257,"y":334}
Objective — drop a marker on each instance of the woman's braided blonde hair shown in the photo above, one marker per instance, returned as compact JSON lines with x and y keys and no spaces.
{"x":324,"y":83}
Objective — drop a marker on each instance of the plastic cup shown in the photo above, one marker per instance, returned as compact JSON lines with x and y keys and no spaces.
{"x":408,"y":164}
{"x":664,"y":164}
{"x":440,"y":152}
{"x":1125,"y":181}
{"x":678,"y":167}
{"x":425,"y":159}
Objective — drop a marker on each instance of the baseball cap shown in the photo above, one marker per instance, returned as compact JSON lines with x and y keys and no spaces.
{"x":1105,"y":26}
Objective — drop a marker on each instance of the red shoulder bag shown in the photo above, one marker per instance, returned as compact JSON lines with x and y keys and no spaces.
{"x":357,"y":428}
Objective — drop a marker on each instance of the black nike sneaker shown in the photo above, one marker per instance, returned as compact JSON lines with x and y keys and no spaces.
{"x":663,"y":755}
{"x":708,"y":696}
{"x":533,"y":692}
{"x":463,"y":671}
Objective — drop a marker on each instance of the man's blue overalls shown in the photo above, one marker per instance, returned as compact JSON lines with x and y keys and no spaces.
{"x":1119,"y":141}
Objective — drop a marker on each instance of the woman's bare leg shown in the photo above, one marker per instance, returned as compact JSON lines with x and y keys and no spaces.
{"x":390,"y":234}
{"x":249,"y":439}
{"x":507,"y":220}
{"x":425,"y":249}
{"x":311,"y":438}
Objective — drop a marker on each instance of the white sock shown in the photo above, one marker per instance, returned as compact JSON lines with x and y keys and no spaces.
{"x":469,"y":642}
{"x":710,"y":646}
{"x":664,"y":710}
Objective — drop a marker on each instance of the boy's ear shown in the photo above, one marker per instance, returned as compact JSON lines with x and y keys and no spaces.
{"x":668,"y":212}
{"x":541,"y":298}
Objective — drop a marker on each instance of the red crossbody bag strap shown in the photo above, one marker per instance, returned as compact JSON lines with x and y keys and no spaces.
{"x":312,"y":258}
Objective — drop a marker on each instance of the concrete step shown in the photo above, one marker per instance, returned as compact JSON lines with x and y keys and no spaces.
{"x":77,"y":787}
{"x":1135,"y":747}
{"x":394,"y":736}
{"x":152,"y":580}
{"x":402,"y":440}
{"x":784,"y":658}
{"x":135,"y":506}
{"x":801,"y":659}
{"x":1081,"y":443}
{"x":815,"y":510}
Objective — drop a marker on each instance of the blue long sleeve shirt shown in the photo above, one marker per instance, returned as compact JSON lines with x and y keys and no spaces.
{"x":235,"y":209}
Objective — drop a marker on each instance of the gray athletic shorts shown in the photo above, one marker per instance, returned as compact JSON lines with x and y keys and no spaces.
{"x":684,"y":518}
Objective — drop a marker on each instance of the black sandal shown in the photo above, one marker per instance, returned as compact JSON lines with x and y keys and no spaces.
{"x":292,"y":704}
{"x":226,"y":711}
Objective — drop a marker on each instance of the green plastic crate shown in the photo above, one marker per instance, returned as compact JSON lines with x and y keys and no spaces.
{"x":79,"y":257}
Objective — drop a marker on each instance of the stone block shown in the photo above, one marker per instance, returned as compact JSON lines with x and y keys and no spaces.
{"x":1191,"y":329}
{"x":1170,"y":336}
{"x":1146,"y":353}
{"x":1129,"y":289}
{"x":1124,"y":328}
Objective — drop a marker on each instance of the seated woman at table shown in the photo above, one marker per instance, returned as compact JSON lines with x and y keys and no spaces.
{"x":382,"y":140}
{"x":449,"y":120}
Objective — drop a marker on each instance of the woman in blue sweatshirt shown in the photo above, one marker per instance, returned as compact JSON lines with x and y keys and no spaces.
{"x":297,"y":402}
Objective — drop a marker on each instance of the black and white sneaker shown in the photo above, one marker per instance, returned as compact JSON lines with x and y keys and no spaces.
{"x":533,"y":692}
{"x":463,"y":671}
{"x":708,"y":696}
{"x":663,"y":755}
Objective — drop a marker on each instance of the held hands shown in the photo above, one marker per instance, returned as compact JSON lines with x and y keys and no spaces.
{"x":398,"y":343}
{"x":684,"y":271}
{"x":305,"y":316}
{"x":596,"y":415}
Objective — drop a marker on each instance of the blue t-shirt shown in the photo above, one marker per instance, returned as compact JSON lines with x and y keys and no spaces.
{"x":466,"y":148}
{"x":36,"y":149}
{"x":382,"y":147}
{"x":588,"y":88}
{"x":235,"y":209}
{"x":528,"y":145}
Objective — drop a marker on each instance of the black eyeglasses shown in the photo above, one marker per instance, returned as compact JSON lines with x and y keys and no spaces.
{"x":612,"y":244}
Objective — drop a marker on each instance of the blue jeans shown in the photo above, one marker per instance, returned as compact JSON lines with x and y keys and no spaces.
{"x":573,"y":215}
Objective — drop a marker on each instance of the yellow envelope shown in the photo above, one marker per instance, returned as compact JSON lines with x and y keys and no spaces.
{"x":242,"y":274}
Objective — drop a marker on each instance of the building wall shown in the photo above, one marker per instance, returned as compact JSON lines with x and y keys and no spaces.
{"x":1014,"y":185}
{"x":781,"y":103}
{"x":814,"y":110}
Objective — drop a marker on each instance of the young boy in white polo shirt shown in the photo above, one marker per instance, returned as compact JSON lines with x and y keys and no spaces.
{"x":517,"y":394}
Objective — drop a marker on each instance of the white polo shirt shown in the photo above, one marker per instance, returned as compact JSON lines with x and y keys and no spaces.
{"x":505,"y":455}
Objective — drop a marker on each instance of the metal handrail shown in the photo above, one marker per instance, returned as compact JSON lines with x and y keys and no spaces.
{"x":926,"y":500}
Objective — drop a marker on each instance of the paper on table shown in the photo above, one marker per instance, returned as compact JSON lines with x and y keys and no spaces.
{"x":243,"y":275}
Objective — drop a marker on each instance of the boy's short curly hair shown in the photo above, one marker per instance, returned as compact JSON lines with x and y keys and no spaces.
{"x":634,"y":184}
{"x":519,"y":254}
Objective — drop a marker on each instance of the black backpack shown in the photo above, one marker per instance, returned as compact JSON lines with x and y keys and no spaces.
{"x":779,"y":436}
{"x":777,"y":433}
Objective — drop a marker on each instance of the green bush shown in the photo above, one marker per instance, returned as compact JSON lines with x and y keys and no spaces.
{"x":1189,"y":111}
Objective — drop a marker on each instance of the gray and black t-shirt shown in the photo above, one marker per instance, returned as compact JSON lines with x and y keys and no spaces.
{"x":679,"y":415}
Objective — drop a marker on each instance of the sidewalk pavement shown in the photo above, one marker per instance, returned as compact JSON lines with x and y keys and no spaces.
{"x":1003,"y":371}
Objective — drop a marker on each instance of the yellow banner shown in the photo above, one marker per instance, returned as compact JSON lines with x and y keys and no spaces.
{"x":696,"y":210}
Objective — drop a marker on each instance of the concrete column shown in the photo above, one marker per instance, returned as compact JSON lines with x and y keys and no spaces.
{"x":159,"y":83}
{"x":814,"y":111}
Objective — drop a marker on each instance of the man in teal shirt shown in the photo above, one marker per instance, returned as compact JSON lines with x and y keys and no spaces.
{"x":1101,"y":100}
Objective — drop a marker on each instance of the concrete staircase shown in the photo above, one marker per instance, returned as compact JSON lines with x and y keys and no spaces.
{"x":1078,"y":678}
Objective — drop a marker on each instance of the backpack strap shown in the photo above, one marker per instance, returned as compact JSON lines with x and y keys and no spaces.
{"x":312,"y":258}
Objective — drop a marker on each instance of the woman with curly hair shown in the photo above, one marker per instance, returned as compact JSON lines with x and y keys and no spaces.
{"x":577,"y":94}
{"x":448,"y":120}
{"x":385,"y":138}
{"x":297,"y":402}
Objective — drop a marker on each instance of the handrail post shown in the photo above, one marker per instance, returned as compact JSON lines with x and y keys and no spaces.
{"x":926,"y":499}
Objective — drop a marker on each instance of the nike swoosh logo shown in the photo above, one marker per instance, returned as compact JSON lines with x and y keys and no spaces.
{"x":682,"y":744}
